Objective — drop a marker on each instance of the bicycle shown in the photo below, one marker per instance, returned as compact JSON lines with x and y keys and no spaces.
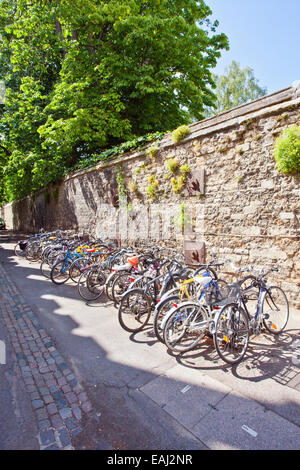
{"x":137,"y":304}
{"x":60,"y":271}
{"x":93,"y":280}
{"x":234,"y":323}
{"x":185,"y":324}
{"x":189,"y":291}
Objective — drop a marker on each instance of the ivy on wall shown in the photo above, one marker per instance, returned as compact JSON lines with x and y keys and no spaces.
{"x":119,"y":150}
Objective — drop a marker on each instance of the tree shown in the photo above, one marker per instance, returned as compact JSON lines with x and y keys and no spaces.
{"x":84,"y":75}
{"x":235,"y":87}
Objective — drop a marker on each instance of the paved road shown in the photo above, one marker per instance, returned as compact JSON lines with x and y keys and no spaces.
{"x":141,"y":397}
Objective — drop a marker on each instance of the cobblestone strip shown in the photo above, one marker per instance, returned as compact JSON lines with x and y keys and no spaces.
{"x":58,"y":400}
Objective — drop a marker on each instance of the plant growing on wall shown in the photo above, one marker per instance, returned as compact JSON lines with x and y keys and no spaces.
{"x":152,"y":151}
{"x":185,"y":169}
{"x":172,"y":165}
{"x":152,"y":189}
{"x":287,"y":150}
{"x":132,"y":186}
{"x":180,"y":133}
{"x":120,"y":181}
{"x":177,"y":184}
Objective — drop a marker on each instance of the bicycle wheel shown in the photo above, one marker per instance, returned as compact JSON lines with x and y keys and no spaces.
{"x":82,"y":287}
{"x":32,"y":251}
{"x":60,"y":272}
{"x":52,"y":255}
{"x":250,"y":286}
{"x":95,"y":282}
{"x":134,"y":310}
{"x":76,"y":268}
{"x":231,"y":335}
{"x":45,"y":269}
{"x":185,"y":328}
{"x":45,"y":253}
{"x":276,"y":310}
{"x":108,"y":285}
{"x":163,"y":308}
{"x":120,"y":286}
{"x":40,"y":253}
{"x":18,"y":252}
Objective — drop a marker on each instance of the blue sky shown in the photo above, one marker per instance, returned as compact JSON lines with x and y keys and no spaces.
{"x":264,"y":35}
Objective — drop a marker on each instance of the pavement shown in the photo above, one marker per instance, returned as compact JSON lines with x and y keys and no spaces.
{"x":75,"y":379}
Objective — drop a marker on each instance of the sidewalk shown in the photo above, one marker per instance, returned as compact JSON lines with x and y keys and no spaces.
{"x":59,"y":404}
{"x":17,"y":424}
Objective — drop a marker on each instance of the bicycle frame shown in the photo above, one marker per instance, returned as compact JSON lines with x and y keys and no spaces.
{"x":183,"y":289}
{"x":258,"y":317}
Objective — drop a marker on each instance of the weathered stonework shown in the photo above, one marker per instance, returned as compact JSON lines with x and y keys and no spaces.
{"x":247,"y":211}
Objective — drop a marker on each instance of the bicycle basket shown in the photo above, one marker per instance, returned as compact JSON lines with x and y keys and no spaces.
{"x":22,"y":245}
{"x":234,"y":291}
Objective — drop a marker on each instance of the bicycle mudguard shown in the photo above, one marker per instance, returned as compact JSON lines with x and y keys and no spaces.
{"x":135,"y":281}
{"x":115,"y":269}
{"x":170,"y":313}
{"x":169,"y":293}
{"x":122,"y":267}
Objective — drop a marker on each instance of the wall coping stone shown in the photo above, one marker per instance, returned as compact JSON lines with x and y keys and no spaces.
{"x":264,"y":106}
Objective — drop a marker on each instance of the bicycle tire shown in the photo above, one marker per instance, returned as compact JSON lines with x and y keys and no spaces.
{"x":228,"y":330}
{"x":95,"y":282}
{"x":45,"y":269}
{"x":217,"y":292}
{"x":83,"y":289}
{"x":134,"y":310}
{"x":274,"y":309}
{"x":18,"y":252}
{"x":180,"y":332}
{"x":57,"y":275}
{"x":76,"y":268}
{"x":31,"y":251}
{"x":108,"y":286}
{"x":161,"y":310}
{"x":120,"y":286}
{"x":205,"y":269}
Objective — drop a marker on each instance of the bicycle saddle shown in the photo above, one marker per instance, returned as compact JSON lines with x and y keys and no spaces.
{"x":133,"y":260}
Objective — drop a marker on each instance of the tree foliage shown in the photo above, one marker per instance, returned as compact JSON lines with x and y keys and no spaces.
{"x":235,"y":87}
{"x":85,"y":75}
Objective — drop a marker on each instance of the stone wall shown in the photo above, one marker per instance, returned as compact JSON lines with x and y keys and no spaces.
{"x":235,"y":201}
